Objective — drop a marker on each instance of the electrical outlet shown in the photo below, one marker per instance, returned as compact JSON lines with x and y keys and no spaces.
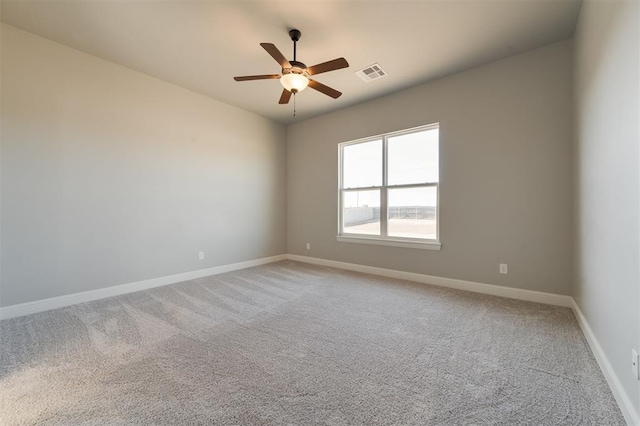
{"x":504,"y":268}
{"x":634,"y":364}
{"x":201,"y":255}
{"x":308,"y":246}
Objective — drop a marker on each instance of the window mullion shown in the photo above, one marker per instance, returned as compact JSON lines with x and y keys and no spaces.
{"x":364,"y":188}
{"x":383,"y":191}
{"x":341,"y":207}
{"x":413,"y":185}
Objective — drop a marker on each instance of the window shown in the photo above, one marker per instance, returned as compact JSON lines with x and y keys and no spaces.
{"x":389,"y":189}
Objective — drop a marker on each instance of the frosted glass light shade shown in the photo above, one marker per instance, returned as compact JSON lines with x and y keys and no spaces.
{"x":294,"y":82}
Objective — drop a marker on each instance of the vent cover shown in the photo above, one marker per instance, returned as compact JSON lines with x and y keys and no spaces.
{"x":372,"y":72}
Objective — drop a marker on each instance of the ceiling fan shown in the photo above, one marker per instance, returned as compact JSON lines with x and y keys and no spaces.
{"x":295,"y":75}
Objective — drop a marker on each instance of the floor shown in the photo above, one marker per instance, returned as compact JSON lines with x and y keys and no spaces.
{"x":291,"y":343}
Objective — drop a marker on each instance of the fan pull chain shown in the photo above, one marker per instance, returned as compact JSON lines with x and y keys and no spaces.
{"x":294,"y":104}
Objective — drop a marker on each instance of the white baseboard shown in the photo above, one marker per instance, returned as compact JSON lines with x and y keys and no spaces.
{"x":28,"y":308}
{"x":623,"y":400}
{"x":494,"y":290}
{"x":91,"y":295}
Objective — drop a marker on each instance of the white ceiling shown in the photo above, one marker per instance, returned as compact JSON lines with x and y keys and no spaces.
{"x":201,"y":45}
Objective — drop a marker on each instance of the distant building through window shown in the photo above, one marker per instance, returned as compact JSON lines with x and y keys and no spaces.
{"x":389,"y":188}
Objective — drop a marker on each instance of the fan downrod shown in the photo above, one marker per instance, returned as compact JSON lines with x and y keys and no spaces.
{"x":295,"y":36}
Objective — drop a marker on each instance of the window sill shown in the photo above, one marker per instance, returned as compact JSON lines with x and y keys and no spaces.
{"x":427,"y":245}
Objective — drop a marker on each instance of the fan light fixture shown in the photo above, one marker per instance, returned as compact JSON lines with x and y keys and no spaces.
{"x":294,"y":82}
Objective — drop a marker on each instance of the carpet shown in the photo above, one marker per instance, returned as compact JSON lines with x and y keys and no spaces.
{"x":291,"y":343}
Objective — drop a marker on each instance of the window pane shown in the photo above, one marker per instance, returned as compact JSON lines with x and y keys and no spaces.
{"x":362,"y":165}
{"x":361,"y":212}
{"x":413,"y":158}
{"x":412,"y":212}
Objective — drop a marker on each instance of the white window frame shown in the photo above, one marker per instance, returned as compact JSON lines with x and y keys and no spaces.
{"x":384,"y":238}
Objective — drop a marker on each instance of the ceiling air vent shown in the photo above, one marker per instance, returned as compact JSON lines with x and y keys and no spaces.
{"x":372,"y":72}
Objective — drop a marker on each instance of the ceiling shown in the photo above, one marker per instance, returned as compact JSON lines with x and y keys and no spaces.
{"x":202,"y":45}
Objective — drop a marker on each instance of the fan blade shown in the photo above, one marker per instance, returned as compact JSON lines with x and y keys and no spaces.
{"x":324,"y":89}
{"x":286,"y":95}
{"x":257,"y":77}
{"x":275,"y":54}
{"x":336,"y":64}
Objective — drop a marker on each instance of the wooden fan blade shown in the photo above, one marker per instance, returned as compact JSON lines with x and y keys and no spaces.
{"x":324,"y":89}
{"x":286,"y":95}
{"x":275,"y":54}
{"x":336,"y":64}
{"x":257,"y":77}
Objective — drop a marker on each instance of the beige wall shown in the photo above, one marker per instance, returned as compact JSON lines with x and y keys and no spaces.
{"x":505,"y":156}
{"x":110,"y":176}
{"x":607,"y":133}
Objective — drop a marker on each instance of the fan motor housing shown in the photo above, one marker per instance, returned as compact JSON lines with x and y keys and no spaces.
{"x":296,"y":68}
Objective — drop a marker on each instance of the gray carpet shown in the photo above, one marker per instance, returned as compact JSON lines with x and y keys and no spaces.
{"x":290,"y":343}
